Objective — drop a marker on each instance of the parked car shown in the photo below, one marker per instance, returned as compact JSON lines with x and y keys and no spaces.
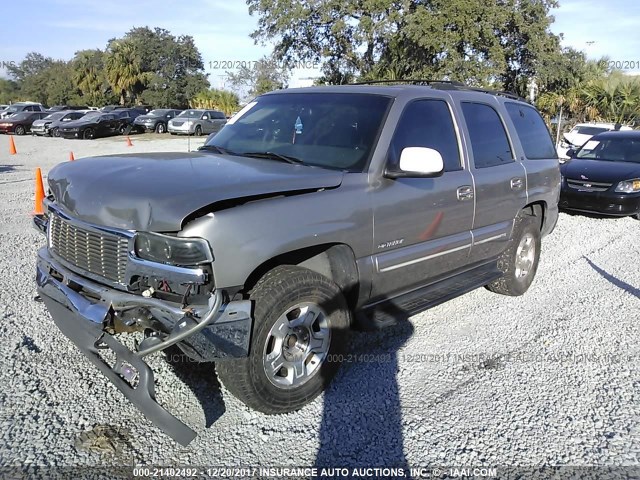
{"x":95,"y":125}
{"x":197,"y":122}
{"x":603,"y":176}
{"x":22,"y":107}
{"x":310,"y":205}
{"x":49,"y":125}
{"x":20,"y":123}
{"x":155,"y":120}
{"x":581,"y":133}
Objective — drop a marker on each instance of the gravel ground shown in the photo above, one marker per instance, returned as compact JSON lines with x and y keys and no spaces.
{"x":552,"y":377}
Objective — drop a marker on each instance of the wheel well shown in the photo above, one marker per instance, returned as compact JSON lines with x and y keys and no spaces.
{"x":538,"y":210}
{"x":335,"y":261}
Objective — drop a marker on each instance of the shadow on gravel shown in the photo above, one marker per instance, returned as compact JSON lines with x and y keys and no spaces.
{"x":362,"y":418}
{"x":8,"y":168}
{"x":615,"y":280}
{"x":201,"y":378}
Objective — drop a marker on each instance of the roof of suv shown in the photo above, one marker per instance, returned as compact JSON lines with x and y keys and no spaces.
{"x":403,"y":89}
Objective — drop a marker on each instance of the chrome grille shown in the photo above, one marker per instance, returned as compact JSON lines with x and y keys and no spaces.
{"x":99,"y":253}
{"x":588,"y":186}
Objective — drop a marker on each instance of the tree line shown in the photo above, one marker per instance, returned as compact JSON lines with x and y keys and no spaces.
{"x":145,"y":67}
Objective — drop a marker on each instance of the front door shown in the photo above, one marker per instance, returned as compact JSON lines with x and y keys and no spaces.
{"x":422,"y":226}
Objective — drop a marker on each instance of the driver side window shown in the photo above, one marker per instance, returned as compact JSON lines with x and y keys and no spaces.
{"x":427,"y":123}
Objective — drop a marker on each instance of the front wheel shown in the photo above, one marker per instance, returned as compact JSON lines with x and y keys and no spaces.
{"x":55,"y":132}
{"x":160,"y":128}
{"x":20,"y":130}
{"x":519,"y":262}
{"x":89,"y":134}
{"x":301,"y":322}
{"x":198,"y":131}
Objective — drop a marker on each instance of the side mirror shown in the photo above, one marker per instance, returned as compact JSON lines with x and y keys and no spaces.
{"x":572,"y":152}
{"x":418,"y":162}
{"x":205,"y":117}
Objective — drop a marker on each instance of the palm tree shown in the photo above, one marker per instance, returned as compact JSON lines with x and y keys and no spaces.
{"x":222,"y":100}
{"x":615,"y":99}
{"x":88,"y":74}
{"x":122,"y":68}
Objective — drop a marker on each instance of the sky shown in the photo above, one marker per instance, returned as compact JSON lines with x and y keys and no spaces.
{"x":221,"y":28}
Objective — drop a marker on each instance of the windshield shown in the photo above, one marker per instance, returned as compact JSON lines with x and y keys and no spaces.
{"x":589,"y":130}
{"x":191,"y":113}
{"x":20,"y":116}
{"x":611,"y":149}
{"x":330,"y":130}
{"x":92,"y":116}
{"x":158,"y":113}
{"x":13,"y":109}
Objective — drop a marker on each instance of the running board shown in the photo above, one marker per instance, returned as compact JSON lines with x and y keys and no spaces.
{"x":391,"y":311}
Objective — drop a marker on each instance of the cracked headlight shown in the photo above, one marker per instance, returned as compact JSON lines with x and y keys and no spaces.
{"x":172,"y":250}
{"x":629,"y":186}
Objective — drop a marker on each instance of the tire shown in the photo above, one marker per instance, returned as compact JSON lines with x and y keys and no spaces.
{"x":89,"y":134}
{"x":160,"y":128}
{"x":519,"y":262}
{"x":284,"y":295}
{"x":55,"y":133}
{"x":20,"y":130}
{"x":198,"y":131}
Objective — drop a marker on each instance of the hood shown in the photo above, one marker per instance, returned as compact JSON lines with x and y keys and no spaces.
{"x":141,"y":118}
{"x":576,"y":139}
{"x":600,"y":170}
{"x":42,"y":121}
{"x":157,"y":191}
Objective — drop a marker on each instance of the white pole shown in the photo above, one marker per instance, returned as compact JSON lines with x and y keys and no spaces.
{"x":559,"y":127}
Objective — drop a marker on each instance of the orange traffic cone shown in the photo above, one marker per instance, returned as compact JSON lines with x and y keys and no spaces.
{"x":12,"y":146}
{"x":129,"y":144}
{"x":71,"y":157}
{"x":37,"y":209}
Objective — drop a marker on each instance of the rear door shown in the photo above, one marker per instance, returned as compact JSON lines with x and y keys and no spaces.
{"x":422,"y":226}
{"x":219,"y":119}
{"x":499,"y":179}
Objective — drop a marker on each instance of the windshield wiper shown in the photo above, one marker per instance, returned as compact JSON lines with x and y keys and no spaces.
{"x":274,"y":156}
{"x":216,"y":148}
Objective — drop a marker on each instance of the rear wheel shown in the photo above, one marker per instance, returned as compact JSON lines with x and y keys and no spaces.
{"x":301,"y":322}
{"x":519,"y":262}
{"x":19,"y":130}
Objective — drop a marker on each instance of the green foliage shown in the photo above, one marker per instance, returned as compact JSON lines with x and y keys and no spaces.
{"x":145,"y":66}
{"x":9,"y":91}
{"x":89,"y":76}
{"x":174,"y":66}
{"x":265,"y":75}
{"x":615,"y":98}
{"x":123,"y":69}
{"x":223,"y":100}
{"x":497,"y":43}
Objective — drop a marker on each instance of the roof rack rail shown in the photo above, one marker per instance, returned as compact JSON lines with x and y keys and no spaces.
{"x":414,"y":81}
{"x":446,"y":85}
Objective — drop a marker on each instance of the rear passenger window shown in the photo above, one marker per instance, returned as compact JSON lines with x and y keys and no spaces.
{"x":533,"y":133}
{"x":427,"y":123}
{"x":489,"y":141}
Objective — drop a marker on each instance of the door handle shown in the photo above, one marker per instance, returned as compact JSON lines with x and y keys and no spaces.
{"x":516,"y":183}
{"x":465,"y":192}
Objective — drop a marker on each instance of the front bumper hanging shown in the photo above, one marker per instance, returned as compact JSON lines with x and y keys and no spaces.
{"x":83,"y":321}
